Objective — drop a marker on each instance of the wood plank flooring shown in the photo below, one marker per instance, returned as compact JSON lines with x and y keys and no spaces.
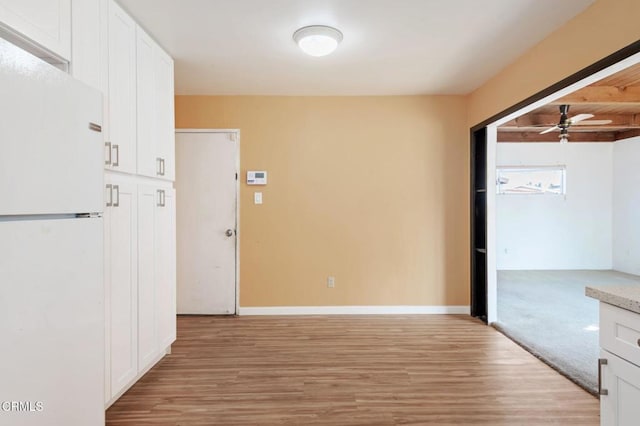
{"x":350,"y":370}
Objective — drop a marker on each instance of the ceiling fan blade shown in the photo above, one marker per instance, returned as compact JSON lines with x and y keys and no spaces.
{"x":592,"y":122}
{"x":549,"y":130}
{"x":580,"y":117}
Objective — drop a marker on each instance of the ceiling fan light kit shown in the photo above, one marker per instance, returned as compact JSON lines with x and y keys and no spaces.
{"x":317,"y":40}
{"x":566,"y":122}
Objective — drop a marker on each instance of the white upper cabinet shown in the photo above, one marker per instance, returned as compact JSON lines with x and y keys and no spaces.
{"x":89,"y":54}
{"x":121,"y":137}
{"x":165,"y":116}
{"x":47,"y":23}
{"x":156,"y":143}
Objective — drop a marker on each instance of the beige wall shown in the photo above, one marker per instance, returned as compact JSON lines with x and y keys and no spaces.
{"x":372,"y":190}
{"x":605,"y":27}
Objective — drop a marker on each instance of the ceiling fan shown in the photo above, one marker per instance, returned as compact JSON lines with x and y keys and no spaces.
{"x":577,"y":120}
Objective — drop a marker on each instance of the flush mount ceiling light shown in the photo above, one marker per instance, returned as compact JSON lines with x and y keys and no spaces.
{"x":317,"y":40}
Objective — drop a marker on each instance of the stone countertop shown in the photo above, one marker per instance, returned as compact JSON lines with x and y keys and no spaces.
{"x":623,"y":296}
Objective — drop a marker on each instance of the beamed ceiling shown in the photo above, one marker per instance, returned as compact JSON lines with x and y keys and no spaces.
{"x":615,"y":98}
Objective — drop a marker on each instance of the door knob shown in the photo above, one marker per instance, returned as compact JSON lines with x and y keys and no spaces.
{"x":228,"y":233}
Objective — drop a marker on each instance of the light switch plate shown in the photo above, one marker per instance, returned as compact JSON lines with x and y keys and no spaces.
{"x":257,"y":198}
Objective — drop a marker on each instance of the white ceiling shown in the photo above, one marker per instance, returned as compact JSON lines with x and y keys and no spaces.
{"x":390,"y":47}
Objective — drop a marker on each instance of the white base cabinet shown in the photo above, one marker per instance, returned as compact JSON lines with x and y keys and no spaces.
{"x":121,"y":278}
{"x":619,"y":369}
{"x":621,"y":383}
{"x":156,"y":271}
{"x":140,"y":278}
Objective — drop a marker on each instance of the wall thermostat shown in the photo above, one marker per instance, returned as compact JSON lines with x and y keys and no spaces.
{"x":257,"y":177}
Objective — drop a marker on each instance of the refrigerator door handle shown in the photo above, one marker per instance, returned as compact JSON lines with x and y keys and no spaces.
{"x":116,"y":203}
{"x":108,"y":160}
{"x":110,"y":189}
{"x":116,"y":163}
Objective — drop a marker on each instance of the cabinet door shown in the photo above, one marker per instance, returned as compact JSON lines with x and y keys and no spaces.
{"x":148,"y":199}
{"x":165,"y":127}
{"x":621,"y":380}
{"x":89,"y":44}
{"x":122,"y":90}
{"x":108,"y":197}
{"x":123,"y":299}
{"x":166,"y":268}
{"x":45,"y":22}
{"x":148,"y":163}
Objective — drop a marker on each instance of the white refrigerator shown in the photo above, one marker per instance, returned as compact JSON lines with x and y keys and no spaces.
{"x":51,"y":244}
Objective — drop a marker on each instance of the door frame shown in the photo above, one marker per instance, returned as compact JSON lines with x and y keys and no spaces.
{"x":617,"y":61}
{"x":236,"y":135}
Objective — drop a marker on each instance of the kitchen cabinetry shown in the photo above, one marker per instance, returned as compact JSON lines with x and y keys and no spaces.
{"x":110,"y":52}
{"x":156,"y":145}
{"x":121,"y":284}
{"x":140,"y":148}
{"x":89,"y":43}
{"x":121,"y":132}
{"x":47,"y":23}
{"x":156,"y":271}
{"x":619,"y":364}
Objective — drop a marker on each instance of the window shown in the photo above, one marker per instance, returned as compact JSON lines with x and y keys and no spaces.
{"x":531,"y":180}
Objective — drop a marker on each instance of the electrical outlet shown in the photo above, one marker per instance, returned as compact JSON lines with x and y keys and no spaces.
{"x":331,"y":282}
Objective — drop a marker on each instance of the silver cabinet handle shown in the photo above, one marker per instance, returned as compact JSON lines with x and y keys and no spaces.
{"x":117,"y":150}
{"x":159,"y":166}
{"x":162,"y":167}
{"x":110,"y":188}
{"x":164,"y":199}
{"x":228,"y":233}
{"x":108,"y":160}
{"x":601,"y":362}
{"x":116,"y":203}
{"x":160,"y":198}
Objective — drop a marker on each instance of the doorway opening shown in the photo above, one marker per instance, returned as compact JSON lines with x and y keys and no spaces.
{"x":530,"y":212}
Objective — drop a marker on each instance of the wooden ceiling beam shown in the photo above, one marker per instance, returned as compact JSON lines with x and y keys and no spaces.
{"x":627,"y":134}
{"x":601,"y":95}
{"x":532,"y":120}
{"x":553,"y":137}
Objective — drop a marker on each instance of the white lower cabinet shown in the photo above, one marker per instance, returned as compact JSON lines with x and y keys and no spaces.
{"x":121,"y":285}
{"x":140,"y":278}
{"x":619,"y":369}
{"x":156,"y":271}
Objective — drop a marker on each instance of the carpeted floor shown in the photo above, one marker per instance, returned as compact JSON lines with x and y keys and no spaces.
{"x":547,"y":313}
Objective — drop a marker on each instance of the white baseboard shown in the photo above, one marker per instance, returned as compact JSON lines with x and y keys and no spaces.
{"x":354,"y":310}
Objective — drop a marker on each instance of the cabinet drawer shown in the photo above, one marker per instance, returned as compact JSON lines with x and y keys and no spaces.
{"x":620,"y":332}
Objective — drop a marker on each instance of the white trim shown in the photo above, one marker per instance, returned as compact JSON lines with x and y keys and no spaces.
{"x":207,"y":131}
{"x":354,"y":310}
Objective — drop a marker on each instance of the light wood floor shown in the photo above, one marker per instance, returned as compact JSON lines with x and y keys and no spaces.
{"x":350,"y":370}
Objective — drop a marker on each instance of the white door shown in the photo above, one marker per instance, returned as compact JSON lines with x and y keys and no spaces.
{"x":206,"y":170}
